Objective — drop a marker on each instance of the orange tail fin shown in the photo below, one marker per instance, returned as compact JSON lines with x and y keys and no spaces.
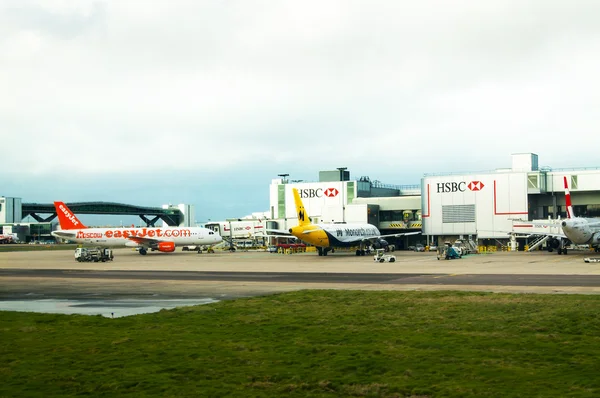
{"x":66,"y":218}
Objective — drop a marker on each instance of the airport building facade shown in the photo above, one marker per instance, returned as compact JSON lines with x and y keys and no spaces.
{"x":479,"y":206}
{"x":484,"y":205}
{"x":337,"y":199}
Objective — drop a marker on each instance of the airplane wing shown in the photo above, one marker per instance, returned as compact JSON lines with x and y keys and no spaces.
{"x":64,"y":234}
{"x":149,"y":242}
{"x":375,"y":238}
{"x":399,"y":235}
{"x":277,"y":231}
{"x":310,"y":231}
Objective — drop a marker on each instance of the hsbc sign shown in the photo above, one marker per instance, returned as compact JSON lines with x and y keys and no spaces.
{"x":445,"y":187}
{"x":318,"y":193}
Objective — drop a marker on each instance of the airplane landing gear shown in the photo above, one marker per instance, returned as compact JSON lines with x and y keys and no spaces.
{"x":323,"y":250}
{"x":143,"y":251}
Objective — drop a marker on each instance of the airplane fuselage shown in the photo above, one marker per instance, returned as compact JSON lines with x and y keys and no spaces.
{"x":115,"y":237}
{"x":334,"y":235}
{"x":582,"y":231}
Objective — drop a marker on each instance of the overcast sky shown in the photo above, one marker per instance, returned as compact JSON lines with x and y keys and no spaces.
{"x":204,"y":102}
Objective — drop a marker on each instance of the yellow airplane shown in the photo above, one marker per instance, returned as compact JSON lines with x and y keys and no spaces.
{"x":326,"y":237}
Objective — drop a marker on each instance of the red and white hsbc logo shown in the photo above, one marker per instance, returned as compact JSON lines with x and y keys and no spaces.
{"x":331,"y":192}
{"x":318,"y":193}
{"x":444,"y":187}
{"x":475,"y":185}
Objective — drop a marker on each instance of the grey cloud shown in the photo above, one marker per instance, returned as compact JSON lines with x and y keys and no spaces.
{"x":63,"y":24}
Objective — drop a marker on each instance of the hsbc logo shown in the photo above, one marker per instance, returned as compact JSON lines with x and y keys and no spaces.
{"x":318,"y":193}
{"x":331,"y":192}
{"x":445,"y":187}
{"x":475,"y":185}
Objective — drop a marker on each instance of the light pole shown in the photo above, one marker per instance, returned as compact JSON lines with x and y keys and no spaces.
{"x":342,"y":169}
{"x":283,"y":179}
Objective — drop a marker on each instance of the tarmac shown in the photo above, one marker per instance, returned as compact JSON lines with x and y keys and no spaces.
{"x":538,"y":263}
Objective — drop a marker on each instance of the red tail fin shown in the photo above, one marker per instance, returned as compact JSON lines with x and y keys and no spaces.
{"x":66,"y":218}
{"x":568,"y":199}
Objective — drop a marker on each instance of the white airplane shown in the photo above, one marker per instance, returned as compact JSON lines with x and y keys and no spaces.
{"x":328,"y":236}
{"x":579,"y":230}
{"x":8,"y":238}
{"x":161,"y":239}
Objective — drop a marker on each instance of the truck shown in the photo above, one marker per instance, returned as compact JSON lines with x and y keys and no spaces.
{"x":88,"y":255}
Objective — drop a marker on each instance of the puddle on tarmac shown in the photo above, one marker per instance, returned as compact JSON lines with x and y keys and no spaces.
{"x":110,"y":308}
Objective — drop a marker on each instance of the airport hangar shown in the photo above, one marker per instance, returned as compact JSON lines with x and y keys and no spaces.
{"x":479,"y":206}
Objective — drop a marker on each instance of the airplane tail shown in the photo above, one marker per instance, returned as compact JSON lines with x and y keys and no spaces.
{"x":66,"y":218}
{"x":568,"y":200}
{"x":303,"y":218}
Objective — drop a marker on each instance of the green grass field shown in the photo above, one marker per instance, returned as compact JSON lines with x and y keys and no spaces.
{"x":317,"y":344}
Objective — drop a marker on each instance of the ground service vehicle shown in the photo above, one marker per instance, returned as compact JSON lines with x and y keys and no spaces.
{"x":7,"y":239}
{"x":381,"y":257}
{"x":448,"y":252}
{"x":84,"y":254}
{"x":461,"y":247}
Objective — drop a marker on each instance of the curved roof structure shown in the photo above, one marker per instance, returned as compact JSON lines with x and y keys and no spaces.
{"x":172,"y":216}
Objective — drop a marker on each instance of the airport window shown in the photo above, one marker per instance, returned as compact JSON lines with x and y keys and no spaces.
{"x":580,"y":211}
{"x":532,"y":181}
{"x":391,"y":215}
{"x":547,"y":211}
{"x":574,"y":184}
{"x":593,"y":211}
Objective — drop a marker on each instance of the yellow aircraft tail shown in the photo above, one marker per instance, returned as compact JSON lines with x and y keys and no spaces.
{"x":303,"y":218}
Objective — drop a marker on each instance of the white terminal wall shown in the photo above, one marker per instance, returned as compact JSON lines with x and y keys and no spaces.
{"x":352,"y":213}
{"x":318,"y":206}
{"x":10,"y":210}
{"x":503,"y":197}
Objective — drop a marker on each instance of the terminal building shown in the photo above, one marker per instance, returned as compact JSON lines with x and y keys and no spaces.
{"x":335,"y":198}
{"x":479,"y":207}
{"x":483,"y":205}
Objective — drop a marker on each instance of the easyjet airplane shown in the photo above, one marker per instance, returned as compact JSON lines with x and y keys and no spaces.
{"x":161,"y":239}
{"x":328,"y":236}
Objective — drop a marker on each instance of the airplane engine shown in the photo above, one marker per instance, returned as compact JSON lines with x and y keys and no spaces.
{"x":554,"y":243}
{"x":595,"y":239}
{"x":166,"y":247}
{"x":380,"y":244}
